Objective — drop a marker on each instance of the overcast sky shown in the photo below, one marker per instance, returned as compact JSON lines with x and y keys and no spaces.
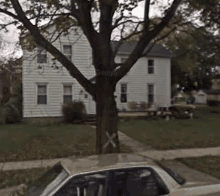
{"x":11,"y":37}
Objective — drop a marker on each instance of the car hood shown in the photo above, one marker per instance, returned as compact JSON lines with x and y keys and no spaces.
{"x":196,"y":189}
{"x":196,"y":184}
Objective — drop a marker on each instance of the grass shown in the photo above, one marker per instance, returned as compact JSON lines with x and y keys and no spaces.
{"x":23,"y":142}
{"x":207,"y":164}
{"x":17,"y":177}
{"x":202,"y":131}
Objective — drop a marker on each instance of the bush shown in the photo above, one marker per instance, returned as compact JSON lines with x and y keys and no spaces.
{"x":180,"y":99}
{"x":144,"y":105}
{"x":132,"y":105}
{"x":213,"y":102}
{"x":74,"y":112}
{"x":12,"y":110}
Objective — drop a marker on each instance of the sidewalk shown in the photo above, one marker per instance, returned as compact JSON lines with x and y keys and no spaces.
{"x":166,"y":154}
{"x":136,"y":146}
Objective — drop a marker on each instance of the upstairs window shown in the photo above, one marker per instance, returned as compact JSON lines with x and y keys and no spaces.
{"x":42,"y":94}
{"x":123,"y":93}
{"x":150,"y":66}
{"x":67,"y":51}
{"x":67,"y":93}
{"x":41,"y":55}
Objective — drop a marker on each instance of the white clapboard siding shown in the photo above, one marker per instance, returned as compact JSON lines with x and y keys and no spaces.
{"x":137,"y":79}
{"x":54,"y":79}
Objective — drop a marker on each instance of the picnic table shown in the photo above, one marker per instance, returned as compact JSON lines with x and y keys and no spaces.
{"x":182,"y":111}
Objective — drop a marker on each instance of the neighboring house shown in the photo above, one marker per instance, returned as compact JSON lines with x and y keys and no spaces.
{"x":47,"y":85}
{"x":200,"y":97}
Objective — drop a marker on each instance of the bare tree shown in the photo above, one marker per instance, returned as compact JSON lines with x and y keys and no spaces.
{"x":112,"y":15}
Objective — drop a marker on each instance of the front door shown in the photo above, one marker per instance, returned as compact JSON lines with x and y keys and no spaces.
{"x":91,"y":106}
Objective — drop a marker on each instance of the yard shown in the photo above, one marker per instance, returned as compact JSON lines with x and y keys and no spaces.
{"x":17,"y":177}
{"x":207,"y":164}
{"x":21,"y":142}
{"x":202,"y":131}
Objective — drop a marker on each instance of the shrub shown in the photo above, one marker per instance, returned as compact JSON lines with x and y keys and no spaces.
{"x":144,"y":105}
{"x":132,"y":105}
{"x":74,"y":112}
{"x":12,"y":110}
{"x":213,"y":102}
{"x":180,"y":99}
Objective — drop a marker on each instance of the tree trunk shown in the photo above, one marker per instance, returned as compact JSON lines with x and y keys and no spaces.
{"x":107,"y":117}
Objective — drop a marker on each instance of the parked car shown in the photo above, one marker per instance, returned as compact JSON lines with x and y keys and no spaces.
{"x":114,"y":175}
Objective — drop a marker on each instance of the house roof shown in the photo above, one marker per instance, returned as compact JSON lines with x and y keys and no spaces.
{"x":156,"y":51}
{"x":201,"y":92}
{"x":212,"y":91}
{"x":127,"y":47}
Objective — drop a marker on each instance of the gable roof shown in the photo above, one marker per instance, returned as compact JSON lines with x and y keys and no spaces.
{"x":127,"y":47}
{"x":156,"y":51}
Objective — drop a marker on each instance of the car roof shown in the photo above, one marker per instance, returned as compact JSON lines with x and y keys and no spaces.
{"x":104,"y":162}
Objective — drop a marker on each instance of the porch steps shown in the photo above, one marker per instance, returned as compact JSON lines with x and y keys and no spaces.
{"x":91,"y":120}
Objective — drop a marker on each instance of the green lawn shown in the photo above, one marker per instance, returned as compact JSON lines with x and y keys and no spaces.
{"x":30,"y":142}
{"x":207,"y":164}
{"x":202,"y":131}
{"x":17,"y":177}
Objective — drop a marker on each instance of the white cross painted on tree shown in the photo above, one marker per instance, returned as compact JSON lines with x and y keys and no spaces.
{"x":109,"y":140}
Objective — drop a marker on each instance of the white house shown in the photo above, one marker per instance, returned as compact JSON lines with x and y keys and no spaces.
{"x":47,"y":85}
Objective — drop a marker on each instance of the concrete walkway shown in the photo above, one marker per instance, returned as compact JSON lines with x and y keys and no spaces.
{"x":136,"y":146}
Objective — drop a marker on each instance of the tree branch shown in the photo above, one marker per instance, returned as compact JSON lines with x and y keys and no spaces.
{"x":146,"y":15}
{"x":8,"y":13}
{"x":41,"y":41}
{"x":83,"y":16}
{"x":144,"y":41}
{"x":167,"y":18}
{"x":129,"y":19}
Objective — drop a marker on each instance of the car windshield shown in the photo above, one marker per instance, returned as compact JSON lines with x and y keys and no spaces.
{"x":46,"y":183}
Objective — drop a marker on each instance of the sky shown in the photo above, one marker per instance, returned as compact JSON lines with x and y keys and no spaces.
{"x":10,"y":38}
